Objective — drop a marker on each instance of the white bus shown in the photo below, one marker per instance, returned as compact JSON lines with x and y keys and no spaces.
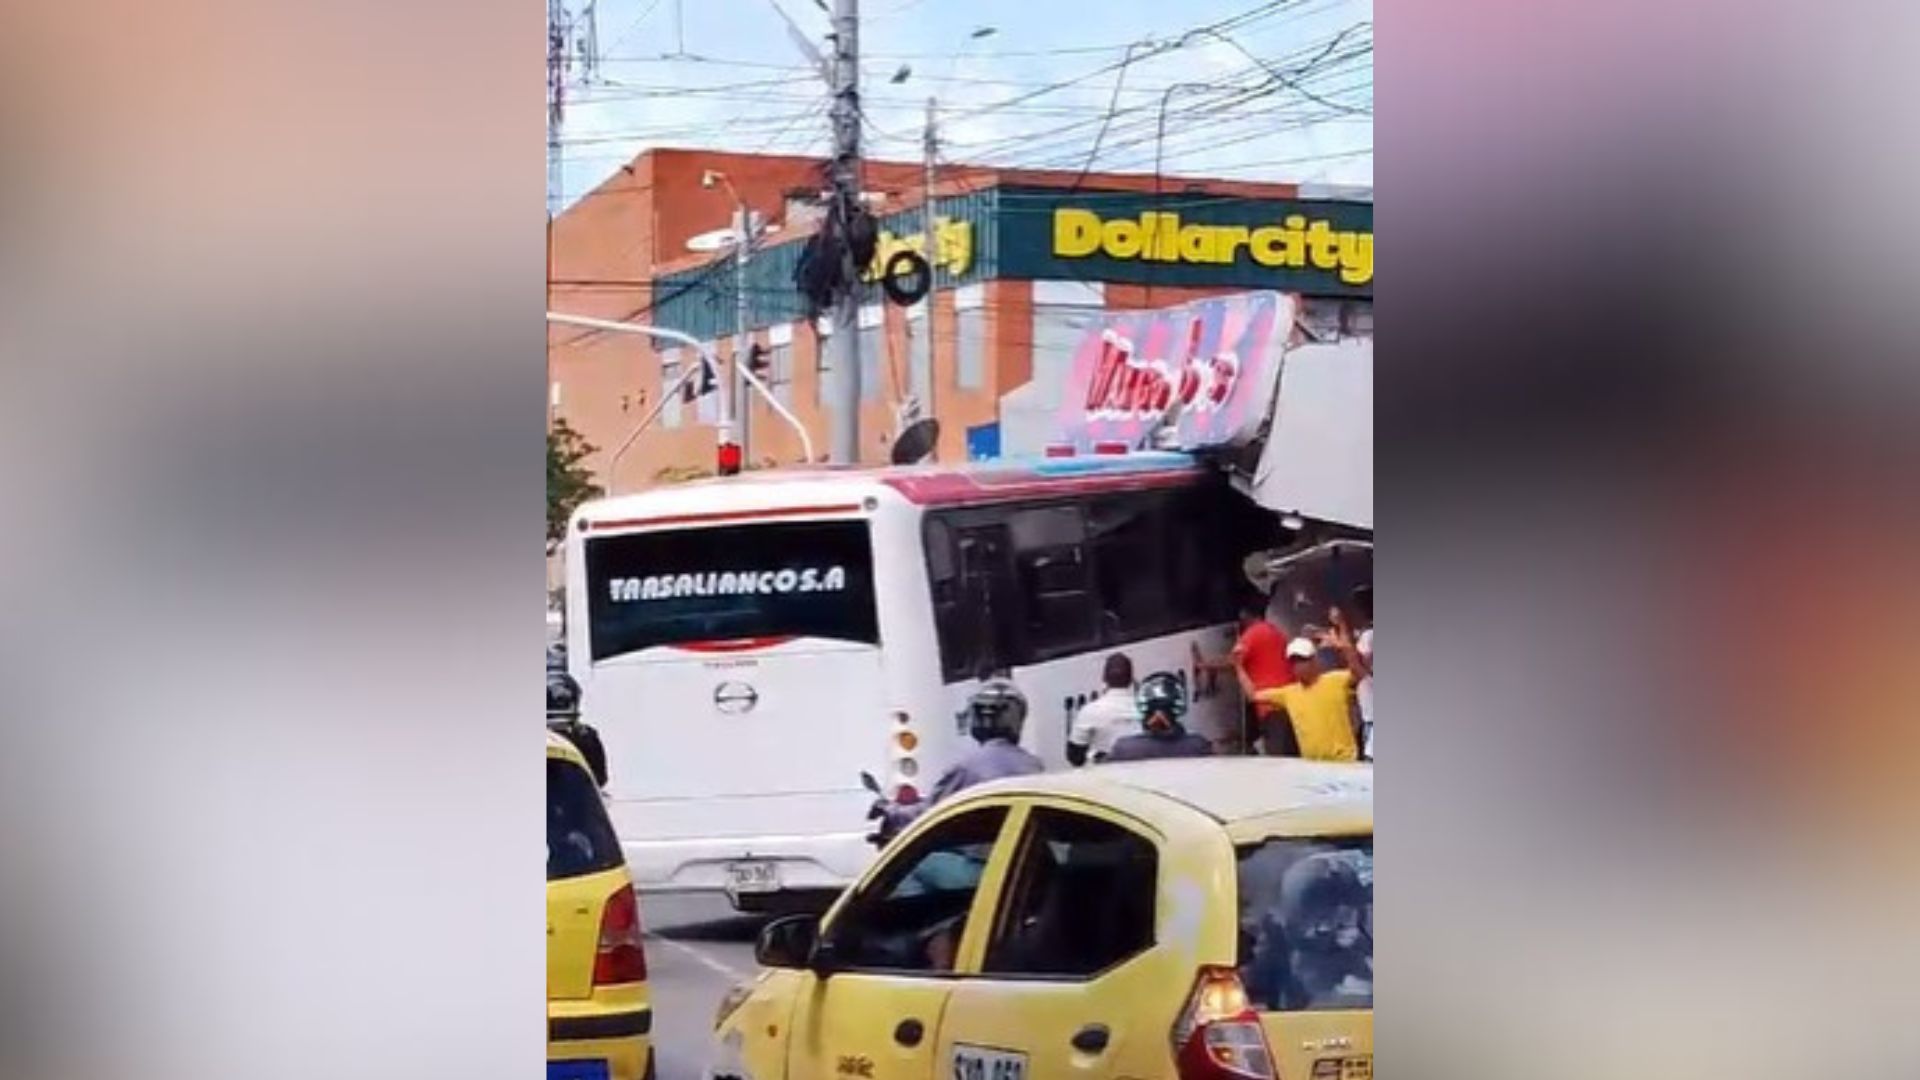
{"x":748,"y":646}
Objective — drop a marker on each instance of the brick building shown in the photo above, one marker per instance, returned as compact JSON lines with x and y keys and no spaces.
{"x":1022,"y":259}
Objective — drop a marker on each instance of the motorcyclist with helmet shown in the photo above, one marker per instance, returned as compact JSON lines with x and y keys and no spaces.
{"x":1163,"y":701}
{"x":996,"y":713}
{"x":563,"y":718}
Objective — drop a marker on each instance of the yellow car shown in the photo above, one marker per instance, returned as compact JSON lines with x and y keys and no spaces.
{"x":1206,"y":919}
{"x":598,"y":1015}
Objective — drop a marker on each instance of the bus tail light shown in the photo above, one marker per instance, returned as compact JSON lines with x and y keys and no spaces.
{"x":905,"y":742}
{"x":1218,"y":1036}
{"x":620,"y":957}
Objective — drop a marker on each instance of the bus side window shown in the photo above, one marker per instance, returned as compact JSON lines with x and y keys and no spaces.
{"x":990,"y":602}
{"x":973,"y":601}
{"x":1127,"y":535}
{"x":1062,"y":610}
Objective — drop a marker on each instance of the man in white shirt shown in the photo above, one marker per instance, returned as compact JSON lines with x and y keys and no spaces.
{"x":1106,"y":719}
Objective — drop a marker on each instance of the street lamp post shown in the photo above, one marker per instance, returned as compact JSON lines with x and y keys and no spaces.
{"x":742,"y":251}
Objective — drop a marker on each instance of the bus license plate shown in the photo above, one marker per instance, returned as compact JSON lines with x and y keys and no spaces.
{"x":982,"y":1063}
{"x":753,"y":877}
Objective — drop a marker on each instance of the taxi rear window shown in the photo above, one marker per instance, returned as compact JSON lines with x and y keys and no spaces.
{"x":1306,"y":923}
{"x":580,"y":839}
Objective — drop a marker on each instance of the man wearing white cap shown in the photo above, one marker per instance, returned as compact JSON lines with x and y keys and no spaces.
{"x":1318,"y":704}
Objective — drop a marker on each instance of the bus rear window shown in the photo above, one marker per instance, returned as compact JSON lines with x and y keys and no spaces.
{"x":781,"y":580}
{"x":1306,"y":924}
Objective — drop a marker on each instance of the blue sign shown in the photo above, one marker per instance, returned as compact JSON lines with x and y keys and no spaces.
{"x":983,"y":442}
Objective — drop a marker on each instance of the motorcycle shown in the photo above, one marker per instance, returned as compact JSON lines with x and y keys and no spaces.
{"x":881,"y":811}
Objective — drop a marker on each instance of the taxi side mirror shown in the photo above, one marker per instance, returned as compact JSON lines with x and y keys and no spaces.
{"x":788,"y":942}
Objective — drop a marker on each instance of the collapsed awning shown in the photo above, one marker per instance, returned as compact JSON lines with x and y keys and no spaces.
{"x":1316,"y":457}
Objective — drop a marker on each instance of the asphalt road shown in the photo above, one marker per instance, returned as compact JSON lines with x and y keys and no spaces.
{"x":697,"y":947}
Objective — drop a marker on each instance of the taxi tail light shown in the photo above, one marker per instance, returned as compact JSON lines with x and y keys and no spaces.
{"x":1218,"y":1036}
{"x":620,"y":957}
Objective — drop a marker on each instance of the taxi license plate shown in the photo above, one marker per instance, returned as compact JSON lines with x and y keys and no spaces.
{"x":577,"y":1070}
{"x":1347,"y":1068}
{"x":753,"y":877}
{"x":985,"y":1063}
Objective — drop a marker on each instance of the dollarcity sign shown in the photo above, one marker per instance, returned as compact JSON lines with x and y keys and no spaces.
{"x":1295,"y":242}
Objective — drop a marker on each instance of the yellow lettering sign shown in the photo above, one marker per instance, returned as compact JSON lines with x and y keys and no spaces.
{"x":1159,"y":236}
{"x":1076,"y":233}
{"x":952,"y":248}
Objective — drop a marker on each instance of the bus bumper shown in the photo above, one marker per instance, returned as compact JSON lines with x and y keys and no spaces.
{"x":800,"y":863}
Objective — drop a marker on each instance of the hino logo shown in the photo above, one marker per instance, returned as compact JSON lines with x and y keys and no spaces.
{"x":735,"y":697}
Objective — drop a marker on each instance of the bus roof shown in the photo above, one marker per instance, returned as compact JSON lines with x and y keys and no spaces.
{"x":800,"y":492}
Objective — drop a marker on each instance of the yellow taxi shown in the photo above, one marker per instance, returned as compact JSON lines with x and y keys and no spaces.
{"x":598,"y":1015}
{"x":1206,"y":919}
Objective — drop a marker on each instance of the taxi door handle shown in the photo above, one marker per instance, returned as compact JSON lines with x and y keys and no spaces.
{"x":909,"y":1033}
{"x":1091,"y":1039}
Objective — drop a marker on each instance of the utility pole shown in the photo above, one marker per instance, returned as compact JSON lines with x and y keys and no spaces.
{"x":736,"y":389}
{"x":932,"y":253}
{"x":570,"y":38}
{"x":845,"y":176}
{"x":558,"y":57}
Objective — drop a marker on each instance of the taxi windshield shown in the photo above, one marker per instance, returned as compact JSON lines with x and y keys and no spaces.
{"x":1306,"y":923}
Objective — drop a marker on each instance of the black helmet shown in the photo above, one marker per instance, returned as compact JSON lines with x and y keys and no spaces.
{"x":997,"y":710}
{"x":1161,"y":694}
{"x":1326,"y":899}
{"x":563,"y":696}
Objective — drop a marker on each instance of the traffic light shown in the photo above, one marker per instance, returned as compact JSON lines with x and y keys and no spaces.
{"x":698,"y":388}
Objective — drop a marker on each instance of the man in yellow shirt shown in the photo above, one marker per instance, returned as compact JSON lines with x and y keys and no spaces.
{"x":1318,"y":704}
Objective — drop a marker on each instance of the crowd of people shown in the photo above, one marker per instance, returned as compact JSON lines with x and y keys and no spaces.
{"x":1308,"y":694}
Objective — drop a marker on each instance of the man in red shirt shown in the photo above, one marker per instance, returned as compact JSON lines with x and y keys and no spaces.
{"x":1259,"y":661}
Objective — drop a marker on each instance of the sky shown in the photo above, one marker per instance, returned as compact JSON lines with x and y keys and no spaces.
{"x":726,"y":74}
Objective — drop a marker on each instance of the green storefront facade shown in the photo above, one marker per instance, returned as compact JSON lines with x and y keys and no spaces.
{"x":1318,"y":248}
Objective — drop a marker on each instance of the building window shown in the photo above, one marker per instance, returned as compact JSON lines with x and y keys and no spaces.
{"x":872,"y":322}
{"x":669,"y":372}
{"x":971,"y":346}
{"x":1331,"y":319}
{"x":780,"y":369}
{"x":920,"y":353}
{"x":873,"y":350}
{"x":822,"y":362}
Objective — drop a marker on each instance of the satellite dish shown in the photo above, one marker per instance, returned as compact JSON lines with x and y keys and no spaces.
{"x":916,"y":444}
{"x":722,"y":239}
{"x":712,"y":240}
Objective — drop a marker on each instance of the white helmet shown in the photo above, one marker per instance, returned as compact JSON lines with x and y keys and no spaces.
{"x":998,"y":710}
